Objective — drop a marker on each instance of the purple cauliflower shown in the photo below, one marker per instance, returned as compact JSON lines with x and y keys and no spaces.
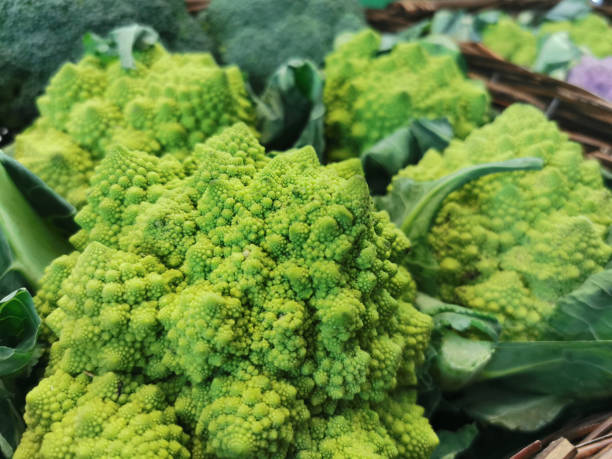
{"x":594,"y":75}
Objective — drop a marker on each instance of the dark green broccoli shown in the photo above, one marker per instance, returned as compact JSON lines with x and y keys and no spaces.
{"x":260,"y":35}
{"x":39,"y":36}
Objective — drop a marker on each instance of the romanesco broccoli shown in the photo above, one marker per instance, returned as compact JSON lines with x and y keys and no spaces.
{"x":167,"y":104}
{"x":261,"y":35}
{"x":39,"y":36}
{"x":511,"y":41}
{"x":369,"y":96}
{"x":260,"y":295}
{"x":512,"y":244}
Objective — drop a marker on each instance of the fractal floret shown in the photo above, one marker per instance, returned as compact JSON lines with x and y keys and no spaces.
{"x":369,"y":96}
{"x":247,"y":307}
{"x":513,"y":243}
{"x":165,"y":105}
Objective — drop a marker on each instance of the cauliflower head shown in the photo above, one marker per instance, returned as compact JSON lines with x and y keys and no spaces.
{"x":166,"y":105}
{"x":369,"y":96}
{"x":511,"y":244}
{"x":261,"y":296}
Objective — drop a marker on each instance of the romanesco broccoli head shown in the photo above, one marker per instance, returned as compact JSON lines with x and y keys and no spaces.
{"x":369,"y":96}
{"x":512,"y":244}
{"x":40,"y":36}
{"x":266,"y":290}
{"x":110,"y":415}
{"x":261,"y":35}
{"x":511,"y":41}
{"x":166,"y":105}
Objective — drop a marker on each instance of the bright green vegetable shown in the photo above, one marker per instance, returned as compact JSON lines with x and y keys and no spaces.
{"x":261,"y":35}
{"x":167,"y":104}
{"x":39,"y":37}
{"x":513,"y":244}
{"x":258,"y":298}
{"x":511,"y":41}
{"x":368,"y":97}
{"x":34,"y":227}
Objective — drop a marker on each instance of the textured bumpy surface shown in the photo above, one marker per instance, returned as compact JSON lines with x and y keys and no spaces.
{"x":513,"y":243}
{"x":259,"y":300}
{"x":261,"y":35}
{"x":166,"y":105}
{"x":511,"y":41}
{"x":369,"y":97}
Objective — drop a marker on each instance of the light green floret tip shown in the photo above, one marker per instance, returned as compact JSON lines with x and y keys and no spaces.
{"x":262,"y":295}
{"x":100,"y":416}
{"x":369,"y":96}
{"x":513,"y":243}
{"x":164,"y":106}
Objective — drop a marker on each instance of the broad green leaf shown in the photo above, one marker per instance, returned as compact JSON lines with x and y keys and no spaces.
{"x":45,"y":202}
{"x":405,"y":146}
{"x":459,"y":360}
{"x":568,"y":10}
{"x":511,"y":408}
{"x":585,"y":313}
{"x":29,"y":240}
{"x":11,"y":424}
{"x":375,"y":4}
{"x":121,"y":42}
{"x":569,"y":369}
{"x":557,"y":53}
{"x":290,"y":111}
{"x":463,"y":320}
{"x":454,"y":443}
{"x":19,"y":324}
{"x":463,"y":341}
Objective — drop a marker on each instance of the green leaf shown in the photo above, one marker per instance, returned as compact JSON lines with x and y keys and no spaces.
{"x":19,"y":324}
{"x":511,"y":408}
{"x":11,"y":423}
{"x":459,"y":360}
{"x":569,"y":369}
{"x":585,"y":313}
{"x":290,"y":111}
{"x":454,"y":443}
{"x":375,"y":4}
{"x":568,"y":10}
{"x":405,"y":146}
{"x":45,"y":202}
{"x":448,"y":316}
{"x":34,"y":225}
{"x":557,"y":53}
{"x":121,"y":42}
{"x":459,"y":355}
